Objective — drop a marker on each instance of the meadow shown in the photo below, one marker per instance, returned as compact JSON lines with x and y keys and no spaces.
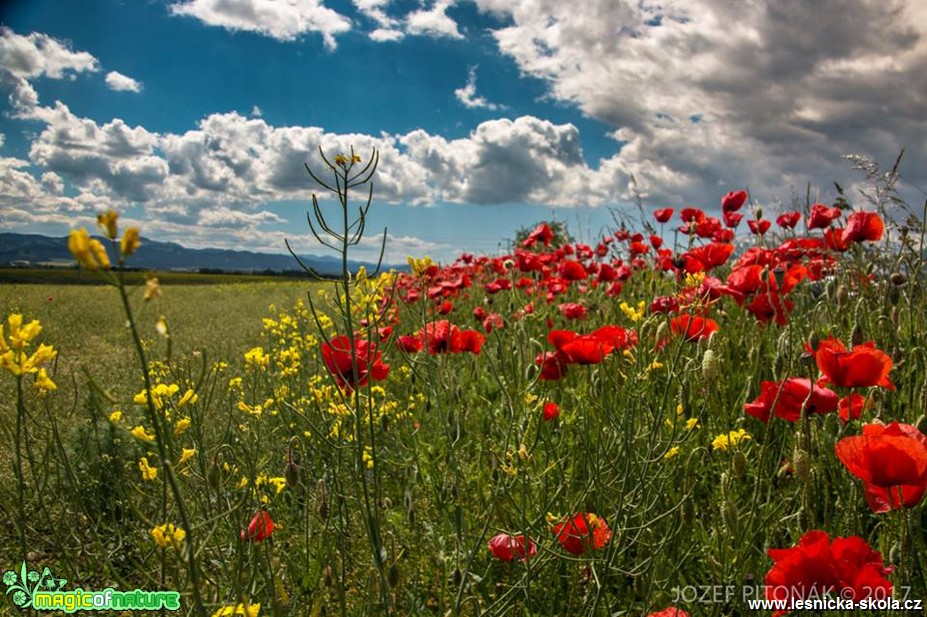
{"x":634,"y":427}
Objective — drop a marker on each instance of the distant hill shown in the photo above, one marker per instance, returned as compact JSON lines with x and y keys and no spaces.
{"x":35,"y":250}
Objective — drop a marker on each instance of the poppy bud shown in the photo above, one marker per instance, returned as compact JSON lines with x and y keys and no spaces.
{"x":779,"y":276}
{"x":327,"y":578}
{"x":758,"y":212}
{"x":898,"y":279}
{"x":740,"y":465}
{"x":842,"y":295}
{"x":456,"y":577}
{"x":894,"y":295}
{"x":894,"y":554}
{"x":801,"y":464}
{"x":393,"y":575}
{"x":857,"y":337}
{"x":830,"y":288}
{"x":214,"y":475}
{"x":711,"y":366}
{"x":731,"y":517}
{"x":815,"y":341}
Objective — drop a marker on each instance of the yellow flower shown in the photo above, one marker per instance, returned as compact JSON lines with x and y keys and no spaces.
{"x":88,"y":252}
{"x":189,"y":397}
{"x":631,"y":313}
{"x":245,"y":610}
{"x":140,"y":433}
{"x":368,"y":457}
{"x":186,"y":454}
{"x":242,"y":483}
{"x":257,"y":357}
{"x":278,"y":482}
{"x":234,"y":383}
{"x":148,"y":472}
{"x":43,"y":383}
{"x":116,"y":416}
{"x":107,"y":223}
{"x":341,"y":160}
{"x":130,"y":242}
{"x":671,"y":452}
{"x":181,"y":425}
{"x":161,"y":326}
{"x":152,"y":288}
{"x":730,"y":440}
{"x":692,"y":423}
{"x":167,"y":535}
{"x":419,"y":265}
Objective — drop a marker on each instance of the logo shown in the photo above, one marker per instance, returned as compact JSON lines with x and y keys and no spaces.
{"x":44,"y":592}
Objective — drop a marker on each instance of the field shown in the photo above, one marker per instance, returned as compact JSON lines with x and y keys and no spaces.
{"x":620,"y":429}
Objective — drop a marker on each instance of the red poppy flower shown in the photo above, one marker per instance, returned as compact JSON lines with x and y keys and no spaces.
{"x":862,"y":367}
{"x":785,"y":399}
{"x":572,"y":310}
{"x":692,"y":215}
{"x":572,"y":270}
{"x":732,"y":202}
{"x":656,"y":241}
{"x":580,"y":348}
{"x":847,"y":568}
{"x":337,"y":357}
{"x":732,"y":219}
{"x":508,"y":547}
{"x":835,"y":240}
{"x":822,"y":216}
{"x":758,"y":227}
{"x":788,"y":220}
{"x":551,"y":411}
{"x":542,"y":232}
{"x":863,"y":226}
{"x":444,"y":337}
{"x":582,"y":532}
{"x":553,"y":365}
{"x":409,"y":344}
{"x":663,"y":214}
{"x":259,"y":529}
{"x":892,"y":463}
{"x":670,"y":612}
{"x":693,"y":327}
{"x":850,"y":407}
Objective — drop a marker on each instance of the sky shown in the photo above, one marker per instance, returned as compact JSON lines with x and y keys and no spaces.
{"x":194,"y":118}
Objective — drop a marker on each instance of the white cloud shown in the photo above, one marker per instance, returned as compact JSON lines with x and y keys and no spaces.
{"x":38,"y":55}
{"x":716,"y":93}
{"x":257,"y":112}
{"x":467,"y":94}
{"x":121,"y":83}
{"x":433,"y":21}
{"x":281,"y":20}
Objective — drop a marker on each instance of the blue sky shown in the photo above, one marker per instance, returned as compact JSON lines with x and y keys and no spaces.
{"x":194,"y":117}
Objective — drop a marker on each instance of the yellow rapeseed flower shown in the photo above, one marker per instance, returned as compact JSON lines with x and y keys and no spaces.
{"x":181,"y":425}
{"x":88,"y":252}
{"x":141,"y":434}
{"x":189,"y":397}
{"x":130,"y":242}
{"x":671,"y":452}
{"x":186,"y":454}
{"x":168,"y":535}
{"x":152,"y":288}
{"x":107,"y":223}
{"x":148,"y":472}
{"x":730,"y":440}
{"x":116,"y":416}
{"x":43,"y":384}
{"x":243,"y":610}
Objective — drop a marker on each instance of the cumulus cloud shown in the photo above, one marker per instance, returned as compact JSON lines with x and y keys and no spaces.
{"x":712,"y":93}
{"x":38,"y":55}
{"x":284,"y":21}
{"x":122,"y":83}
{"x":433,"y":21}
{"x":467,"y":94}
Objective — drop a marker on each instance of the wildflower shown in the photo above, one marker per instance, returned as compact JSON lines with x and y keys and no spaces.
{"x":663,"y":215}
{"x":863,"y":226}
{"x":130,"y":242}
{"x":116,"y":416}
{"x":239,"y":610}
{"x":850,"y":407}
{"x":107,"y":223}
{"x":508,"y":547}
{"x":42,"y":382}
{"x":551,"y":411}
{"x":338,"y":358}
{"x":542,"y":233}
{"x":730,"y":440}
{"x":189,"y":397}
{"x":140,"y":433}
{"x":148,"y":472}
{"x":186,"y":454}
{"x":257,"y":358}
{"x":788,"y":220}
{"x":817,"y":567}
{"x":892,"y":463}
{"x":733,"y":201}
{"x":259,"y":529}
{"x":168,"y":535}
{"x":88,"y":252}
{"x":821,"y":216}
{"x":581,"y":532}
{"x":693,"y":327}
{"x":181,"y":425}
{"x":861,"y":367}
{"x":152,"y":288}
{"x":786,"y":399}
{"x":671,"y":453}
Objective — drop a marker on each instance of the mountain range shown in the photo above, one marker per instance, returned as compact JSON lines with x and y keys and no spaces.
{"x":36,"y":250}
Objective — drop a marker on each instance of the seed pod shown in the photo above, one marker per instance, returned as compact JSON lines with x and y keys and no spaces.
{"x":898,"y":279}
{"x":214,"y":474}
{"x":740,"y":465}
{"x":894,"y":295}
{"x":857,"y":337}
{"x":731,"y":517}
{"x":830,"y":288}
{"x":393,"y":575}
